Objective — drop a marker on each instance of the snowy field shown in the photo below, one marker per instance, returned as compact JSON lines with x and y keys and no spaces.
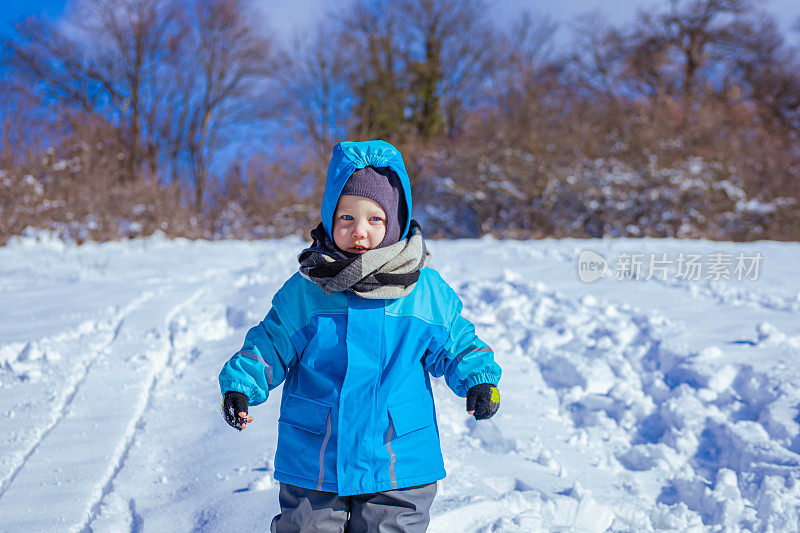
{"x":626,"y":405}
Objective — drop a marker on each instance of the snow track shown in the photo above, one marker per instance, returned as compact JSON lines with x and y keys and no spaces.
{"x":157,"y":373}
{"x":108,"y":399}
{"x":626,"y":406}
{"x":81,"y":335}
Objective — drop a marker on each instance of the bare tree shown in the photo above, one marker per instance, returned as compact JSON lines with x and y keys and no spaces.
{"x":527,"y":82}
{"x":370,"y":38}
{"x":451,"y":51}
{"x":768,"y":69}
{"x":234,"y":64}
{"x":531,"y":42}
{"x":314,"y":93}
{"x":696,"y":29}
{"x":597,"y":58}
{"x":651,"y":68}
{"x":127,"y":39}
{"x":172,"y":74}
{"x":20,"y":124}
{"x":50,"y":73}
{"x":104,"y":62}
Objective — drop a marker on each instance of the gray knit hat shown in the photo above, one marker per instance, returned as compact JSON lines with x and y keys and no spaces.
{"x":383,"y":186}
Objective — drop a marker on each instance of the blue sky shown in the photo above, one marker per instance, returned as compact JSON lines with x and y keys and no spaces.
{"x":13,"y":10}
{"x":285,"y":16}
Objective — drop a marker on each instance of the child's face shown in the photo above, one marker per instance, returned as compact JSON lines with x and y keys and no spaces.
{"x":359,"y":224}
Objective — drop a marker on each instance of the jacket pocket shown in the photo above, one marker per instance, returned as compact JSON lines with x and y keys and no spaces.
{"x":410,"y":415}
{"x":304,"y":413}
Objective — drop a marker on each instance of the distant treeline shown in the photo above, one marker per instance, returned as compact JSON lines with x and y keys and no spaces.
{"x":187,"y":116}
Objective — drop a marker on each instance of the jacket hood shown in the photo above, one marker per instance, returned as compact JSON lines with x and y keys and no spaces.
{"x":350,"y":156}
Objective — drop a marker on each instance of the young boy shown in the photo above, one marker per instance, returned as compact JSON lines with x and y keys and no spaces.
{"x":356,"y":335}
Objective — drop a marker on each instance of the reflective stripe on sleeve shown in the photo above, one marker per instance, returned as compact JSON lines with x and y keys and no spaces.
{"x":470,"y":350}
{"x":256,"y":357}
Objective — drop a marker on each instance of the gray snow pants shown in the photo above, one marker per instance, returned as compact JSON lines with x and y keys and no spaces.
{"x":400,"y":510}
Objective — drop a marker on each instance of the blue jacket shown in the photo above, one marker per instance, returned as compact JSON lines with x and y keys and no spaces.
{"x":357,"y":413}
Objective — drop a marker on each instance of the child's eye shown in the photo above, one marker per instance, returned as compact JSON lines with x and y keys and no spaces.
{"x":347,"y":217}
{"x":376,"y":219}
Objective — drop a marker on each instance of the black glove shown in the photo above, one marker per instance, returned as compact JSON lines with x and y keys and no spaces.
{"x":234,"y":403}
{"x":484,"y":400}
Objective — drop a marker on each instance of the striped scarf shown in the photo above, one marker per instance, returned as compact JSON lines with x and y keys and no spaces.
{"x":388,"y":272}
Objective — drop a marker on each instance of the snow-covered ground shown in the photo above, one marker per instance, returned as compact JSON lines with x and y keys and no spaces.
{"x":629,"y":405}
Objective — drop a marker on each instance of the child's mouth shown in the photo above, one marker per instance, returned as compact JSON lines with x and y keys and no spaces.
{"x":358,"y":249}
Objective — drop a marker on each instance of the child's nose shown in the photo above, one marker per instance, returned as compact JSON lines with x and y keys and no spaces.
{"x":359,"y":231}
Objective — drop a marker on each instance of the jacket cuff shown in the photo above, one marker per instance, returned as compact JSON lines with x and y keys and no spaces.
{"x":482,"y":377}
{"x":238,"y":387}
